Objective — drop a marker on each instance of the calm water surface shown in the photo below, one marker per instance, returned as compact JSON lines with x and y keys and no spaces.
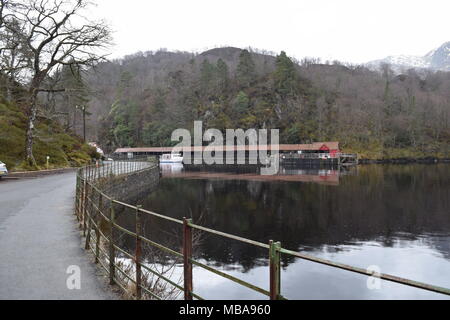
{"x":395,"y":217}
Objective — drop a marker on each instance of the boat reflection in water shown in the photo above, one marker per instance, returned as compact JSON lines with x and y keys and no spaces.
{"x":328,"y":176}
{"x":170,"y":168}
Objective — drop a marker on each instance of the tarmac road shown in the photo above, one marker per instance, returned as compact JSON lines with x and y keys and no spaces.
{"x":40,"y":246}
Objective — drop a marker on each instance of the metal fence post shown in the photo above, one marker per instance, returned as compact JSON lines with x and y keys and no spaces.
{"x":86,"y":204}
{"x":138,"y":253}
{"x":111,"y":244}
{"x":83,"y":202}
{"x":275,"y":270}
{"x":77,"y":194}
{"x":88,"y":224}
{"x":77,"y":185}
{"x":187,"y":255}
{"x":80,"y":199}
{"x":97,"y":231}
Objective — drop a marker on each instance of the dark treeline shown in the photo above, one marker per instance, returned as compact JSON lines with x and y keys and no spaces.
{"x":141,"y":98}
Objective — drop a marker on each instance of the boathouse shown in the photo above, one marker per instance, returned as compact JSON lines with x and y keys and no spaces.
{"x":331,"y":149}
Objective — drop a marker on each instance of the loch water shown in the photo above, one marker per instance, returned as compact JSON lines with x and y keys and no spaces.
{"x":394,"y":218}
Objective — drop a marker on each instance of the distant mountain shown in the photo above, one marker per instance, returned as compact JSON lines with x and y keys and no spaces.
{"x":438,"y":59}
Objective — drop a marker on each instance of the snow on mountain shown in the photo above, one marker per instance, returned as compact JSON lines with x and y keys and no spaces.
{"x":440,"y":58}
{"x":437,"y":59}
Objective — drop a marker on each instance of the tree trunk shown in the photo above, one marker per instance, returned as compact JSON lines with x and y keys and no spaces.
{"x":8,"y":90}
{"x":74,"y":125}
{"x":30,"y":129}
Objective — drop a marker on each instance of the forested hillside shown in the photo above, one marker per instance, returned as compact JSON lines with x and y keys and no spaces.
{"x":140,"y":99}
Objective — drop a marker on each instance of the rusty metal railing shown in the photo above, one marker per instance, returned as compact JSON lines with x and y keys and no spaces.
{"x":92,"y":204}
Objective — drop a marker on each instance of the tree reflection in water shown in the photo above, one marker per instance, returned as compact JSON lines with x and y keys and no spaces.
{"x":309,"y":210}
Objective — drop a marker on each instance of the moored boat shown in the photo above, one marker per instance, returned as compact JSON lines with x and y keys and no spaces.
{"x":171,"y":158}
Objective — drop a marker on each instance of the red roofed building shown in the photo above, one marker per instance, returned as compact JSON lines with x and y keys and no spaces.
{"x":317,"y":147}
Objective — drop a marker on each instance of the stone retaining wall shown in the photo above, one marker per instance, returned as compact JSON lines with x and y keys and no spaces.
{"x":130,"y":185}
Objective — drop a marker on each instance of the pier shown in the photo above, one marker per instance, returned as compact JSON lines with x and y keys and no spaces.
{"x":315,"y":154}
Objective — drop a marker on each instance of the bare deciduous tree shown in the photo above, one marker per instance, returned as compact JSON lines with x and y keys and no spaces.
{"x":14,"y":57}
{"x":3,"y":5}
{"x":56,"y":34}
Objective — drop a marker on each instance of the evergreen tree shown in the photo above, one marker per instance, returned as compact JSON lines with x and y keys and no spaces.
{"x":241,"y":103}
{"x":285,"y":75}
{"x":246,"y":71}
{"x":207,"y":73}
{"x":222,"y":75}
{"x":125,"y":113}
{"x":125,"y":83}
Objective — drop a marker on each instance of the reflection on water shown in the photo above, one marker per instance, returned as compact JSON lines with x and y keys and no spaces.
{"x":396,"y":217}
{"x":170,"y":168}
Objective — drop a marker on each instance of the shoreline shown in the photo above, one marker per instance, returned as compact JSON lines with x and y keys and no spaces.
{"x":428,"y":160}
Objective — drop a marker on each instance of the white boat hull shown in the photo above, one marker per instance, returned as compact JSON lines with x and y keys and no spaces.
{"x":171,"y":161}
{"x":171,"y":158}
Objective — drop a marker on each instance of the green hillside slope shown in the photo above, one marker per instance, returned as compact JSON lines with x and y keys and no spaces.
{"x":63,"y":149}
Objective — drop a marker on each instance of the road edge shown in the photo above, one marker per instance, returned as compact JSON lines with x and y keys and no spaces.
{"x":35,"y":174}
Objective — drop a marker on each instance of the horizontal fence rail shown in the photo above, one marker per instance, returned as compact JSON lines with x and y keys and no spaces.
{"x":92,"y":205}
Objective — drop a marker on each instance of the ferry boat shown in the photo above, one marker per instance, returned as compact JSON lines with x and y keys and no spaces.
{"x":171,"y":158}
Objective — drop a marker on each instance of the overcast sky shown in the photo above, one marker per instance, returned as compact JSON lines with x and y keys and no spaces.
{"x":347,"y":30}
